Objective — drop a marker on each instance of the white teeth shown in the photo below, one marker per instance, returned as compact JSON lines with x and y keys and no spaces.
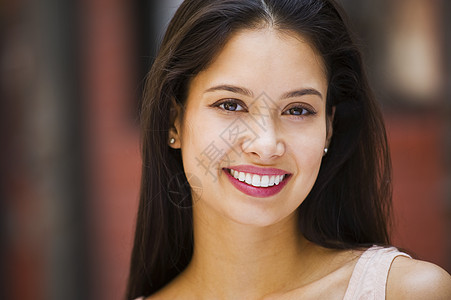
{"x":248,"y":178}
{"x":241,"y":176}
{"x":271,"y":180}
{"x":257,"y":180}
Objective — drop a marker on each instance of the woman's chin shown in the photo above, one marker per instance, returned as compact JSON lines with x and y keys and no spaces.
{"x":242,"y":211}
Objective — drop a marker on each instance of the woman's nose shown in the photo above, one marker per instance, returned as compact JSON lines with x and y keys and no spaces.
{"x":267,"y":144}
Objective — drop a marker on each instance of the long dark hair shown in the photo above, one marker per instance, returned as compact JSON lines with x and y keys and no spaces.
{"x":349,"y":204}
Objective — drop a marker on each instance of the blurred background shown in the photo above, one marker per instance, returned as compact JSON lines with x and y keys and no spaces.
{"x":71,"y":75}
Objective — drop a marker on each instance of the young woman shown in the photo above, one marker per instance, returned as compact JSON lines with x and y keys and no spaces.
{"x":266,"y":173}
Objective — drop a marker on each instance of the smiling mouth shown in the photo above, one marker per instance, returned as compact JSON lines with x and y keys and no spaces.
{"x":257,"y":180}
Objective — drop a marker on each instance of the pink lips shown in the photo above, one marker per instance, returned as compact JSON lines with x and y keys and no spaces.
{"x":259,"y":192}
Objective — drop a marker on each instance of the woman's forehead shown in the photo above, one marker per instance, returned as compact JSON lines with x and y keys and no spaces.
{"x":265,"y":60}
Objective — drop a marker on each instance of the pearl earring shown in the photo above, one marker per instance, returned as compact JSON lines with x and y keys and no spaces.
{"x":172,"y":141}
{"x":325,"y":150}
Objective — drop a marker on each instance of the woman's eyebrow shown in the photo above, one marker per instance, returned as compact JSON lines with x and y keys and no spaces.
{"x":231,"y":88}
{"x":246,"y":92}
{"x":302,"y":92}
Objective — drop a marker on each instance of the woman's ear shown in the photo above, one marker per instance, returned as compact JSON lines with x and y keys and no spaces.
{"x":175,"y":119}
{"x":330,"y":126}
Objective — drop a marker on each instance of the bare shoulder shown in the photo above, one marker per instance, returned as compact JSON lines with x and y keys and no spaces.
{"x":416,"y":279}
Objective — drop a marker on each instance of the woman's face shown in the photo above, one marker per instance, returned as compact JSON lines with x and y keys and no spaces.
{"x":253,"y":132}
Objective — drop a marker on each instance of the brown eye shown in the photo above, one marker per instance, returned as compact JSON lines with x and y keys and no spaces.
{"x":231,"y":106}
{"x":297,"y":111}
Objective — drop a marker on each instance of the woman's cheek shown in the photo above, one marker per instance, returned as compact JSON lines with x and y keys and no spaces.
{"x":204,"y":151}
{"x":308,"y":140}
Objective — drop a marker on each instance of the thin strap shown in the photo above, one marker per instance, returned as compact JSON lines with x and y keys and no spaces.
{"x":369,"y":278}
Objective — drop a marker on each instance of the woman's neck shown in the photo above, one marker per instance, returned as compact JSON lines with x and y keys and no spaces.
{"x":236,"y":261}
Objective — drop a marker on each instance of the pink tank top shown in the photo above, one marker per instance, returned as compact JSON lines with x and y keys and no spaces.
{"x":369,"y":278}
